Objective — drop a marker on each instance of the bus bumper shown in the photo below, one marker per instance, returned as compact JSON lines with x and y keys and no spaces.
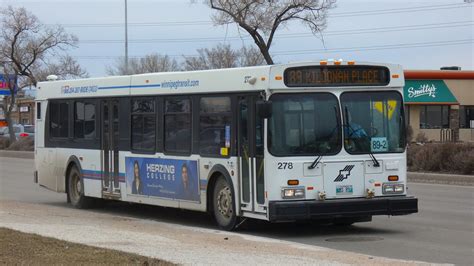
{"x":341,"y":208}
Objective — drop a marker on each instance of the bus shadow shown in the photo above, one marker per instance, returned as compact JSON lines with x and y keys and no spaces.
{"x":290,"y":230}
{"x":159,"y":214}
{"x":293,"y":230}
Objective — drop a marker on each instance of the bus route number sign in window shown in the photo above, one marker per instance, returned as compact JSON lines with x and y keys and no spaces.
{"x":378,"y":144}
{"x":318,"y":76}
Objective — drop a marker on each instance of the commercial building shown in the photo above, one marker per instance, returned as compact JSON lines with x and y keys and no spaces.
{"x":440,"y":104}
{"x":23,"y":112}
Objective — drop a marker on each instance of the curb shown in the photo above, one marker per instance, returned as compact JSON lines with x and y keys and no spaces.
{"x":18,"y":154}
{"x":435,"y":178}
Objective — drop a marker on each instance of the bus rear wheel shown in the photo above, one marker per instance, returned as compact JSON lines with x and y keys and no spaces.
{"x":75,"y":190}
{"x":224,"y":205}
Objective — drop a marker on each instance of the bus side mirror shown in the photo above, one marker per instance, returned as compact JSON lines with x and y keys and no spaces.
{"x":264,"y":109}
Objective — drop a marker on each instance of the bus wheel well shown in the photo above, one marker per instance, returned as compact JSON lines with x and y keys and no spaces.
{"x":73,"y":162}
{"x":210,"y":189}
{"x":66,"y":182}
{"x":216,"y":172}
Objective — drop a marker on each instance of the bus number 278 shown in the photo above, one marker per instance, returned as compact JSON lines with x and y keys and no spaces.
{"x":285,"y":165}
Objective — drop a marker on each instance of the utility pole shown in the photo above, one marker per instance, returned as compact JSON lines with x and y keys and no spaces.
{"x":126,"y":37}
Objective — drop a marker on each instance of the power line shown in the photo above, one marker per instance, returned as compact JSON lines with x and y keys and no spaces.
{"x":340,"y":14}
{"x":328,"y":50}
{"x":393,"y":28}
{"x":138,"y":24}
{"x":377,"y":47}
{"x":399,"y":10}
{"x":293,"y":35}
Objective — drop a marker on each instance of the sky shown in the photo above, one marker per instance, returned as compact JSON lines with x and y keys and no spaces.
{"x":418,"y":34}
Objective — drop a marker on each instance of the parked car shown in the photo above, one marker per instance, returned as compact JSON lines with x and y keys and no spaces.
{"x":21,"y":131}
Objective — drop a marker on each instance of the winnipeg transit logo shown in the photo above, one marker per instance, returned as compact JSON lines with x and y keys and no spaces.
{"x":344,"y":173}
{"x":424,"y":89}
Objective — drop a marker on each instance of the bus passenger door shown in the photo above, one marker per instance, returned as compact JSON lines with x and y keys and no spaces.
{"x":250,"y":153}
{"x":110,"y":151}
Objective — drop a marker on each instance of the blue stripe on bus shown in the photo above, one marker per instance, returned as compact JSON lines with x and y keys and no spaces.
{"x":97,"y":175}
{"x":95,"y":172}
{"x":146,"y":86}
{"x":114,"y":87}
{"x":130,"y":86}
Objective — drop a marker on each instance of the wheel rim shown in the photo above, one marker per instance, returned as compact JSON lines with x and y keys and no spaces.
{"x":76,"y":188}
{"x":224,"y":202}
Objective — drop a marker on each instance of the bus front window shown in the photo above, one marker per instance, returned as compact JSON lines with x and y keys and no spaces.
{"x":373,"y":122}
{"x":304,"y":124}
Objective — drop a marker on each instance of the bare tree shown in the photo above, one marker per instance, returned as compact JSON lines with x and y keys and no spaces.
{"x":223,"y":56}
{"x":220,"y":56}
{"x":250,"y":56}
{"x":25,"y":44}
{"x":262,"y":18}
{"x":65,"y":67}
{"x":148,"y":64}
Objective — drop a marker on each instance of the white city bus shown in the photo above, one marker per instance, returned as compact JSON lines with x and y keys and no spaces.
{"x":300,"y":141}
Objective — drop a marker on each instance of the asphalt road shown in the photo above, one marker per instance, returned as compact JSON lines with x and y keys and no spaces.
{"x":442,"y":232}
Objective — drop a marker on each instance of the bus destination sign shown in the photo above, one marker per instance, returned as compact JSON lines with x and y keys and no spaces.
{"x":319,"y":76}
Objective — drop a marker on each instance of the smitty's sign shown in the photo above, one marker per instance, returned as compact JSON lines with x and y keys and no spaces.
{"x":428,"y":91}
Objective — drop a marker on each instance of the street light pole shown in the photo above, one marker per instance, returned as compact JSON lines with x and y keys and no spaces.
{"x":126,"y":38}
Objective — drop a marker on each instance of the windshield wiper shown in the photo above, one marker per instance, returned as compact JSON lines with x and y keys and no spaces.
{"x":374,"y":160}
{"x":318,"y":159}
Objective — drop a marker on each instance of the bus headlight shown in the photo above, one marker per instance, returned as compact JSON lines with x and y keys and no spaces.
{"x":293,"y":193}
{"x":399,"y":188}
{"x":393,"y":188}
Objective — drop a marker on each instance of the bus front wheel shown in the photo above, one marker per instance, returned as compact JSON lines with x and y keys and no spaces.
{"x":224,"y":205}
{"x":76,"y":190}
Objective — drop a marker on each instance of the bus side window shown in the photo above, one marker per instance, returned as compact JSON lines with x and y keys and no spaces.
{"x":143,"y":125}
{"x":38,"y":110}
{"x":177,"y":120}
{"x":84,"y":120}
{"x":214,"y":125}
{"x":59,"y":119}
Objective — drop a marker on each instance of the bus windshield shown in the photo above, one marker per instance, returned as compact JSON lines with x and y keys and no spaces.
{"x":373,"y":122}
{"x":304,"y":124}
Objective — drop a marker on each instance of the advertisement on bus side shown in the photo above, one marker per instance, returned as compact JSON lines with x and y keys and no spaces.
{"x":165,"y":178}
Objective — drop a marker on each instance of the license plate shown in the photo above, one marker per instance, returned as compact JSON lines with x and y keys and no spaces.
{"x":346,"y":189}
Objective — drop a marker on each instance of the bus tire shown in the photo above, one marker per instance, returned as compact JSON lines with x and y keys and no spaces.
{"x":75,"y":190}
{"x":224,"y":205}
